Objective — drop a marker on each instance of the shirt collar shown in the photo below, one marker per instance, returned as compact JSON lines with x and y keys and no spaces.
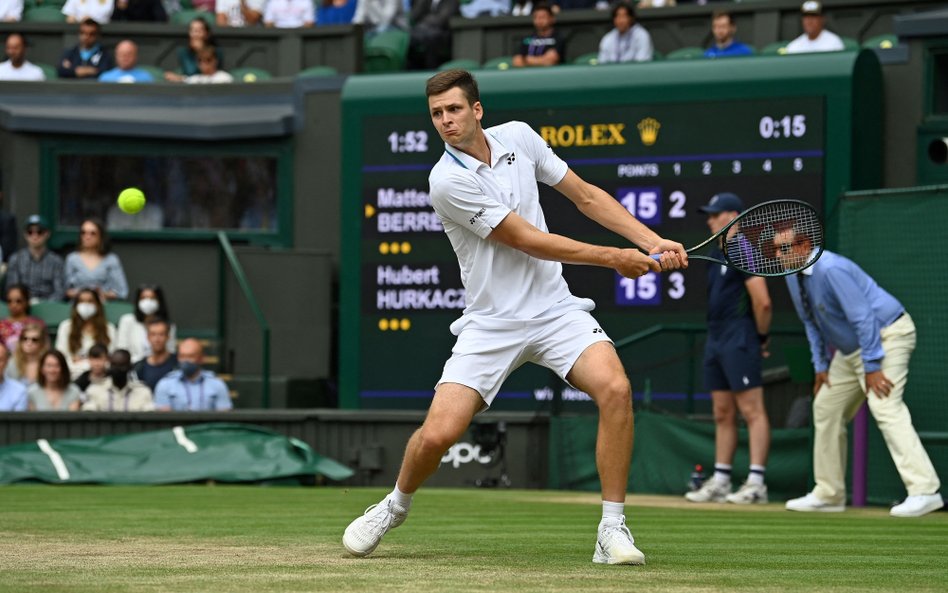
{"x":808,"y":271}
{"x":497,"y":152}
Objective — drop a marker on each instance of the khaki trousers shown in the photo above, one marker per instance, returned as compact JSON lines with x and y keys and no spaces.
{"x":837,"y":402}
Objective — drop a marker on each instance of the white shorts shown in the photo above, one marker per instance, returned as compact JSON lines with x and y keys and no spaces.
{"x":482,"y":359}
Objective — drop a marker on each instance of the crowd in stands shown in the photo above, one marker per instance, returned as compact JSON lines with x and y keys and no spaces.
{"x":426,"y":23}
{"x":90,"y":364}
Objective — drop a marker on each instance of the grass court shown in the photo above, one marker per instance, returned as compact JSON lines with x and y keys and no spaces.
{"x":288,"y":539}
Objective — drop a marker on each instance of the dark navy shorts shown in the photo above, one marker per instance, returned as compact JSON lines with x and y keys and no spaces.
{"x":732,"y":360}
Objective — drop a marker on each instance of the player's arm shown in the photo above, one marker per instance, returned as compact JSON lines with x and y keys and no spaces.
{"x":515,"y":232}
{"x":599,"y":206}
{"x":761,"y":306}
{"x":550,"y":57}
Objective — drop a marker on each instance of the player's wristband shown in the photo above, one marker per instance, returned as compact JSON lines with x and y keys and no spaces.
{"x":763,"y":337}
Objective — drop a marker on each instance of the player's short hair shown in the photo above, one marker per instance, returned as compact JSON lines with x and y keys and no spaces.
{"x":443,"y":82}
{"x":87,"y":22}
{"x":623,"y":5}
{"x":722,"y":14}
{"x":542,"y":6}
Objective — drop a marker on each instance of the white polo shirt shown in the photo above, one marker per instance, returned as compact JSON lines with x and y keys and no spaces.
{"x":503,"y":286}
{"x":98,"y":10}
{"x":825,"y":41}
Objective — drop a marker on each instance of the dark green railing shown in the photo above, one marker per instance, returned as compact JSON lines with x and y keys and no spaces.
{"x":691,"y":331}
{"x":228,"y":256}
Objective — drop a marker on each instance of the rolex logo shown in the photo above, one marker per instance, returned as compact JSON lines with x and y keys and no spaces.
{"x":511,"y":158}
{"x":648,"y":130}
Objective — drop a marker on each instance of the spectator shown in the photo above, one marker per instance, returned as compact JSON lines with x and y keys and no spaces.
{"x":430,"y":42}
{"x":377,"y":16}
{"x":546,"y":46}
{"x":161,"y":361}
{"x":723,"y":30}
{"x":13,"y":396}
{"x":52,"y":391}
{"x":335,"y":12}
{"x":239,"y":13}
{"x":628,"y":41}
{"x":18,"y":307}
{"x":88,"y":58}
{"x":77,"y":11}
{"x":815,"y":37}
{"x":132,"y":334}
{"x":17,"y":67}
{"x":479,"y":8}
{"x":204,"y":5}
{"x":36,"y":267}
{"x":291,"y":14}
{"x":93,"y":265}
{"x":861,"y":342}
{"x":199,"y":37}
{"x":190,"y":387}
{"x":140,"y":10}
{"x":208,"y":66}
{"x":33,"y":342}
{"x":117,"y":393}
{"x":11,"y":11}
{"x":126,"y":67}
{"x":85,"y":327}
{"x":98,"y":368}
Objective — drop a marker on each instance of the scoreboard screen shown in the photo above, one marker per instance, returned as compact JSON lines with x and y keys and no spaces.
{"x":660,"y":160}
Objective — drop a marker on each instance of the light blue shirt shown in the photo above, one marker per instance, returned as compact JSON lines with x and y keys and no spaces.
{"x":12,"y":396}
{"x":119,"y":75}
{"x":206,"y":393}
{"x":635,"y":45}
{"x":108,"y":275}
{"x":849,"y":310}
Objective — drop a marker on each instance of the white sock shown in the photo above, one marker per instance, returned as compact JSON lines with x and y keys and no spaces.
{"x":400,"y":498}
{"x":722,"y":473}
{"x":756,"y":475}
{"x":612,"y":510}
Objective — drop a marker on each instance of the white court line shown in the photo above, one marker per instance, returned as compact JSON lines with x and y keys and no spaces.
{"x":183,"y":439}
{"x":55,"y":458}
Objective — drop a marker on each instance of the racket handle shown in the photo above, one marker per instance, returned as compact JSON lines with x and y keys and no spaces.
{"x":656,"y":257}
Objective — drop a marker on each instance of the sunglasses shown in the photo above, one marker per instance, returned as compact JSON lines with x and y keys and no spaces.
{"x":31,"y":339}
{"x":35,"y":231}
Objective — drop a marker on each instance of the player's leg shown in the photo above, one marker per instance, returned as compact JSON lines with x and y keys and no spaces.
{"x":599,"y":372}
{"x":450,"y":413}
{"x":895,"y":423}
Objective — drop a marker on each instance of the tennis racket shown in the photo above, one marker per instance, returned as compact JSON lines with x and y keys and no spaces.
{"x":748,"y":242}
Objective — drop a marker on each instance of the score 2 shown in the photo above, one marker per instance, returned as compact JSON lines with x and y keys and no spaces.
{"x":645,"y":203}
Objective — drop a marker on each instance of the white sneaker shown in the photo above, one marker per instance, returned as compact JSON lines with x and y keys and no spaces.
{"x":615,"y":544}
{"x":711,"y":491}
{"x":811,"y":504}
{"x":364,"y":534}
{"x":918,"y":505}
{"x":749,"y":494}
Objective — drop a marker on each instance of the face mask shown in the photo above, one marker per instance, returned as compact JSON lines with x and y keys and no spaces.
{"x":189,"y":368}
{"x":119,"y":377}
{"x":148,"y":306}
{"x":86,"y":310}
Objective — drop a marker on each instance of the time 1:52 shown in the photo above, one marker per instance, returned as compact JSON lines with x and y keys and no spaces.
{"x":788,"y":126}
{"x":410,"y":141}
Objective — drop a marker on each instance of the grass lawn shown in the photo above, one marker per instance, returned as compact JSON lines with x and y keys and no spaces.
{"x":246,"y":538}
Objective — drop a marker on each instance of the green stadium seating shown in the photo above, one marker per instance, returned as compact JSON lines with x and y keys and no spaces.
{"x":386,"y":52}
{"x":44,"y":14}
{"x":778,"y":48}
{"x":887,"y":41}
{"x":115,"y":309}
{"x":48,"y":71}
{"x":657,"y":55}
{"x":184,"y":17}
{"x":850,"y":44}
{"x":249,"y":75}
{"x":317,"y":71}
{"x":590,"y":59}
{"x":686,"y":53}
{"x":4,"y":311}
{"x":501,"y":63}
{"x":462,"y":64}
{"x":157,"y":73}
{"x":52,"y":313}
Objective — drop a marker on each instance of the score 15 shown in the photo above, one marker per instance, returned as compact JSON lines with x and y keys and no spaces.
{"x":645,"y":203}
{"x":647,"y":290}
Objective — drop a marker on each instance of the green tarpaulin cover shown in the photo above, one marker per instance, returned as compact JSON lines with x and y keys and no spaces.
{"x":216,"y":451}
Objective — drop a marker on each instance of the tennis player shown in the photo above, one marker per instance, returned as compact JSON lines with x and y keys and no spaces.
{"x":519,"y":308}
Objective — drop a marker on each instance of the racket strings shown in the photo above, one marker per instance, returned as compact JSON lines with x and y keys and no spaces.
{"x":772,"y":238}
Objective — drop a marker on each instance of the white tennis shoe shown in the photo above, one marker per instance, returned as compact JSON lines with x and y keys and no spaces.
{"x":711,"y":491}
{"x":749,"y":494}
{"x":615,"y":544}
{"x":811,"y":504}
{"x":918,"y":505}
{"x":364,"y":534}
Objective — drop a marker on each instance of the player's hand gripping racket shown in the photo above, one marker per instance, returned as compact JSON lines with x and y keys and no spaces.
{"x":768,"y":239}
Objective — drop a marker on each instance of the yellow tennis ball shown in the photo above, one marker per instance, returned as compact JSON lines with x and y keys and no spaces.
{"x":131,"y":200}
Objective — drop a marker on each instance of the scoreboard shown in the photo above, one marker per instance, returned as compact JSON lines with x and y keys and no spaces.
{"x":661,"y":158}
